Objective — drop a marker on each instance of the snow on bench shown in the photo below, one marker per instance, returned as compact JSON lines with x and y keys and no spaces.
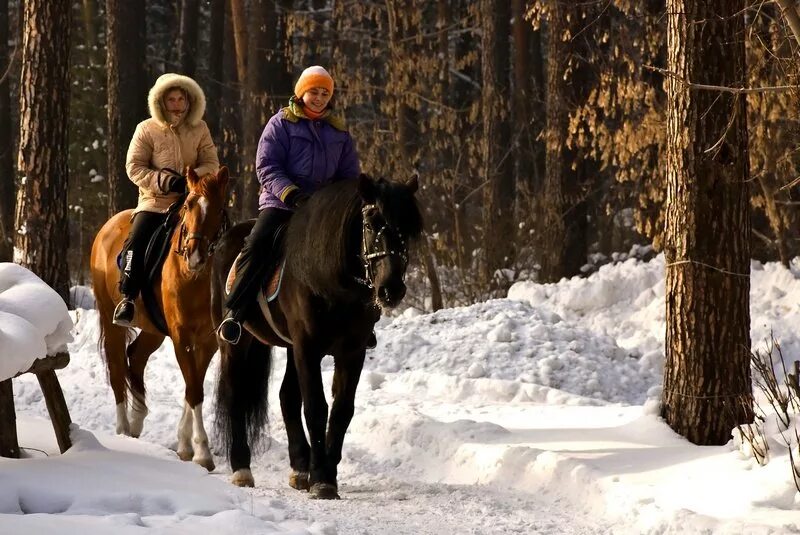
{"x":34,"y":321}
{"x":35,"y":328}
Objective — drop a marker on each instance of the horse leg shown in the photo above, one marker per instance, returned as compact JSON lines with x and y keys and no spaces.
{"x":189,"y":447}
{"x":202,"y":453}
{"x":114,"y":342}
{"x":138,"y":353}
{"x":315,"y":409}
{"x":291,"y":403}
{"x":345,"y":381}
{"x":241,"y":408}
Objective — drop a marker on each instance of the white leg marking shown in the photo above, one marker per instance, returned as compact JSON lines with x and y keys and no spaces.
{"x":138,"y":413}
{"x":202,"y":454}
{"x":185,"y":450}
{"x":123,"y":428}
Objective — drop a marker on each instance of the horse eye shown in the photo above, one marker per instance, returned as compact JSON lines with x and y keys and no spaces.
{"x":368,"y":226}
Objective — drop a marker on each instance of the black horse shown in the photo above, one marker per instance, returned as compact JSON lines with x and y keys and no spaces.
{"x":346,"y":254}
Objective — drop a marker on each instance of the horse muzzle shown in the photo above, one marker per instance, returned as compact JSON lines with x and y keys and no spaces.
{"x":389,"y":296}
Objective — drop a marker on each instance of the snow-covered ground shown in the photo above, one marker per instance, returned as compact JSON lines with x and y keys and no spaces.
{"x":532,"y":414}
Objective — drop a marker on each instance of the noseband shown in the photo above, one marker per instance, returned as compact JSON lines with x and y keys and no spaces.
{"x":184,"y":237}
{"x":375,"y":250}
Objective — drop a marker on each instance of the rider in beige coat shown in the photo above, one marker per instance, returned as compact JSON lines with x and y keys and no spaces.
{"x":173,"y":138}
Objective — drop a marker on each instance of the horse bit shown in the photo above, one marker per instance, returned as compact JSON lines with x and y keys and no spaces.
{"x":375,"y":250}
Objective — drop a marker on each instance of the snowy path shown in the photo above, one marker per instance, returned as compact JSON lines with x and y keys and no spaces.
{"x":533,"y":414}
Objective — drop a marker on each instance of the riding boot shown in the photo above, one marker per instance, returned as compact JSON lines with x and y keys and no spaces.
{"x":125,"y":309}
{"x":259,"y":255}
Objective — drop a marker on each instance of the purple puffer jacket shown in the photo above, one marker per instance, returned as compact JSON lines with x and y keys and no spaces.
{"x":295,"y":151}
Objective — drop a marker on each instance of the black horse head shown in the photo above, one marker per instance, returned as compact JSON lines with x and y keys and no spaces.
{"x":353,"y":238}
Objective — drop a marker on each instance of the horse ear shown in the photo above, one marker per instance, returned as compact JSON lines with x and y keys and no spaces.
{"x":367,"y":188}
{"x":191,"y":176}
{"x":413,"y":183}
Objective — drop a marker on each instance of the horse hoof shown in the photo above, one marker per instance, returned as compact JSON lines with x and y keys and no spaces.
{"x":298,"y":480}
{"x":243,"y":478}
{"x":205,"y":462}
{"x":324,"y":491}
{"x":185,"y":455}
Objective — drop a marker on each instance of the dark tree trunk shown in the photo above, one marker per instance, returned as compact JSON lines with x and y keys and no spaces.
{"x":707,"y":384}
{"x":256,"y":97}
{"x":399,"y":81}
{"x":239,"y":27}
{"x":216,"y":65}
{"x":6,"y":143}
{"x":562,"y":230}
{"x":42,"y":236}
{"x":498,"y":216}
{"x":524,"y":91}
{"x":187,"y":39}
{"x":231,"y":120}
{"x":280,"y":86}
{"x":127,"y":94}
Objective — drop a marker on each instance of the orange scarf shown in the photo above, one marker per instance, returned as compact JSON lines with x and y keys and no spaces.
{"x":311,"y":114}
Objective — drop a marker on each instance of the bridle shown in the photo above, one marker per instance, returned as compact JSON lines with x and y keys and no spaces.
{"x":184,"y":237}
{"x":375,"y":250}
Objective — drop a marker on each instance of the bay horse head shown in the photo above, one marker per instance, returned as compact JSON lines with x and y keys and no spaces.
{"x":203,"y":219}
{"x":389,"y":220}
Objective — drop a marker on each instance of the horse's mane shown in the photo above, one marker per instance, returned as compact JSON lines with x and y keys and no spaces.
{"x":324,"y":237}
{"x":208,"y":186}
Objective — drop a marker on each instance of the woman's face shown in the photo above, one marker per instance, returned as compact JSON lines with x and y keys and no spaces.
{"x":316,"y":98}
{"x":175,"y":103}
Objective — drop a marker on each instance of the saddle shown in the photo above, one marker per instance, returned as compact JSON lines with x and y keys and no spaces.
{"x":154,"y":257}
{"x":269,"y":288}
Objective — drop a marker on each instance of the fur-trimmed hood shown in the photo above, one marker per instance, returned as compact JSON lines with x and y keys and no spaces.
{"x":197,"y":99}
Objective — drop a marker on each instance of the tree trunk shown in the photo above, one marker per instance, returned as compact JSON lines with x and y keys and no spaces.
{"x":42,"y":228}
{"x":216,"y":67}
{"x":523,"y":100}
{"x":553,"y":202}
{"x":256,"y":97}
{"x":239,"y":19}
{"x":127,"y":94}
{"x":280,"y":86}
{"x":562,"y":230}
{"x":6,"y":143}
{"x":498,"y":214}
{"x":231,"y":120}
{"x":187,"y":39}
{"x":707,"y":385}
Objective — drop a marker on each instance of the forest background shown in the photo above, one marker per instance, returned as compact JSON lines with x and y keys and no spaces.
{"x":538,"y":128}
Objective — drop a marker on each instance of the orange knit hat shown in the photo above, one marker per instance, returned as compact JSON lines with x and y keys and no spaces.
{"x":315,"y":76}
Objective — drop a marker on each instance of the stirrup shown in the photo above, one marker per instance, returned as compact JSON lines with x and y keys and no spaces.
{"x":230,"y":330}
{"x":124,"y":313}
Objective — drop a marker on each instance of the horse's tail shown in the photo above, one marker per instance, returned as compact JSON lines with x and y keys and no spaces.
{"x":242,"y":390}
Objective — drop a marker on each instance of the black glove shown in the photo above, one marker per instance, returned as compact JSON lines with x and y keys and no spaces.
{"x":176,"y":184}
{"x":169,"y":180}
{"x":296,"y":198}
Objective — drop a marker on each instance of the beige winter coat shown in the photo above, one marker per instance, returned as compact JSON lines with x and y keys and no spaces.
{"x":156,"y":144}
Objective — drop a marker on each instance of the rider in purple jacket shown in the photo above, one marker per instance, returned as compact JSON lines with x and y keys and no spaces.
{"x":303,"y":148}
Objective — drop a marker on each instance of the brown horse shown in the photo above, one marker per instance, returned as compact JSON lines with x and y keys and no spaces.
{"x":183,"y":295}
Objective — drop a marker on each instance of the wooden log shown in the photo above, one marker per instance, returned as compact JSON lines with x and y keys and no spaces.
{"x":54,"y":362}
{"x":9,"y":446}
{"x":56,"y":406}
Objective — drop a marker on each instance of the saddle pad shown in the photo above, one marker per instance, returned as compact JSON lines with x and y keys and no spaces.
{"x":271,"y":286}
